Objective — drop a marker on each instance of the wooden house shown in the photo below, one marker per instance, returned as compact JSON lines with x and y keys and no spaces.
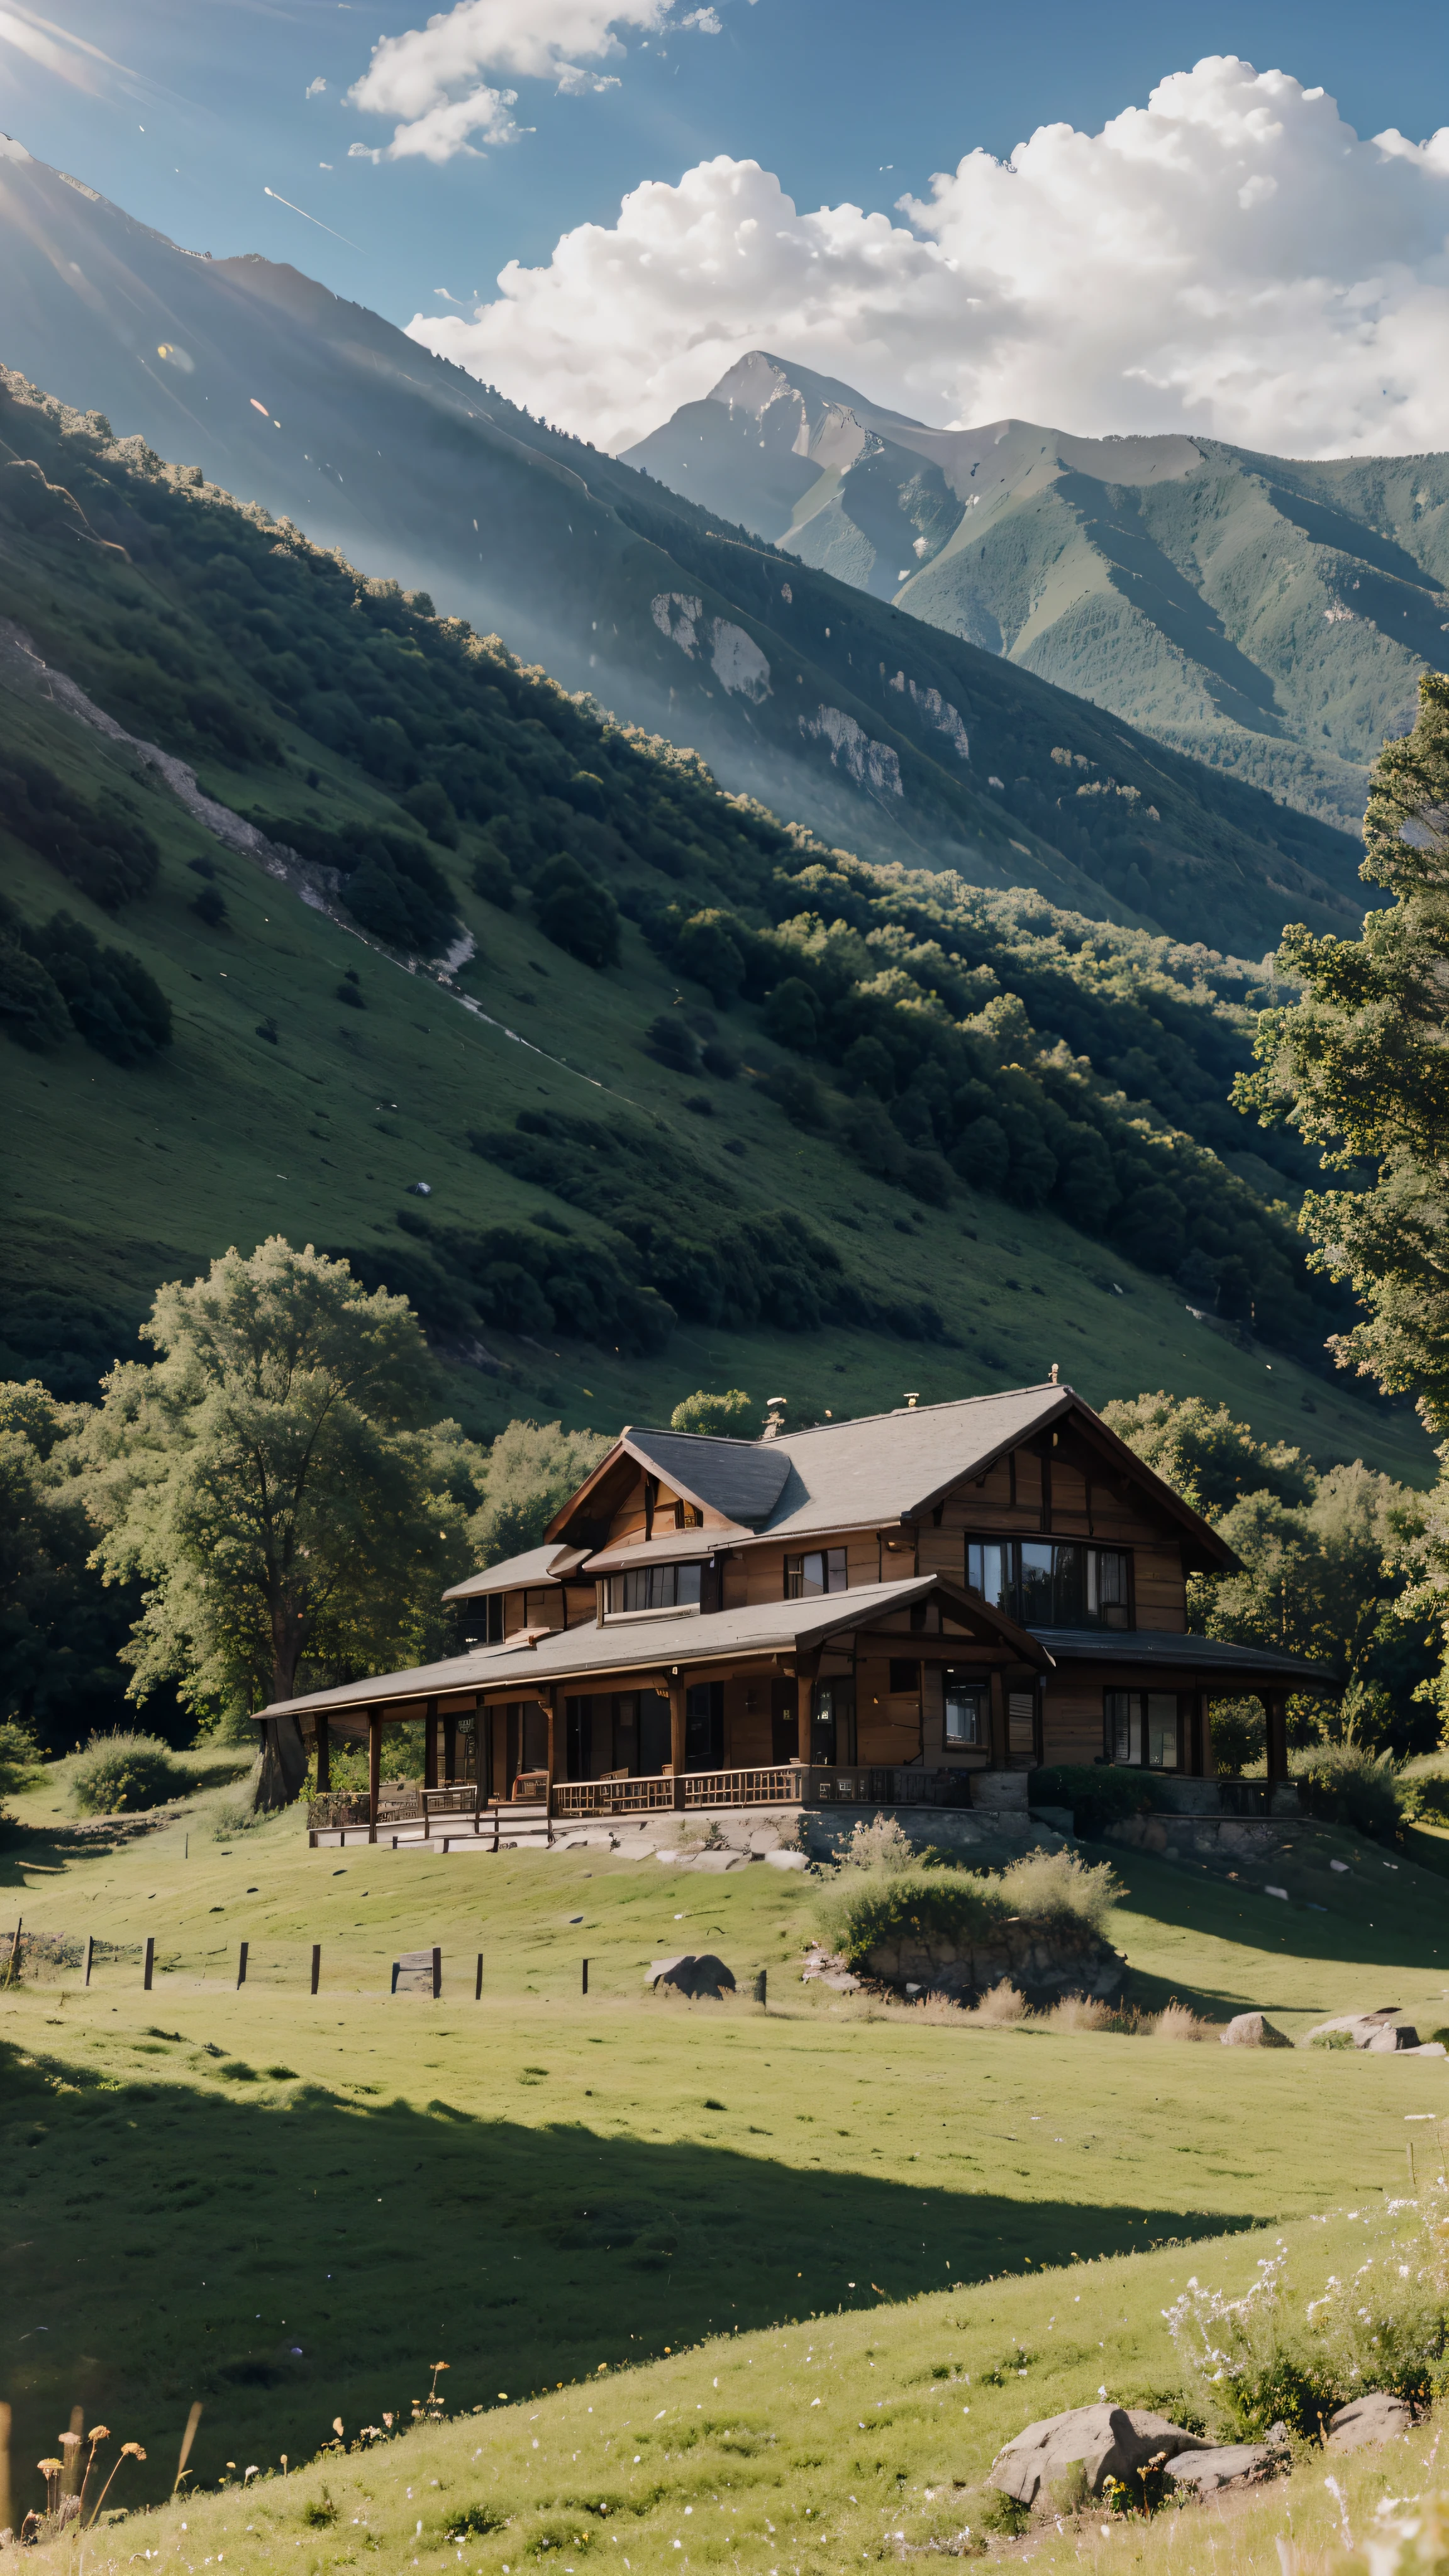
{"x":868,"y":1611}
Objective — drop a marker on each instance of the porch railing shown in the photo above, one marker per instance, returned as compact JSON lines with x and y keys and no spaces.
{"x":781,"y":1784}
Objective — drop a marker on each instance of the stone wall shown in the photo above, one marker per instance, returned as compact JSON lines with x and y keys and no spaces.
{"x":1044,"y":1961}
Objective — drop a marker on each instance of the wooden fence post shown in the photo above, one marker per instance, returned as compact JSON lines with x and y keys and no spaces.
{"x":761,"y":1976}
{"x":90,"y":1954}
{"x":478,"y":1981}
{"x":437,"y":1974}
{"x":13,"y":1971}
{"x":150,"y":1963}
{"x":586,"y":1977}
{"x":241,"y":1963}
{"x":316,"y":1965}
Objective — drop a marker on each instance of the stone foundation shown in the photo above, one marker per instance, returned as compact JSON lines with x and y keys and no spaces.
{"x":1044,"y":1963}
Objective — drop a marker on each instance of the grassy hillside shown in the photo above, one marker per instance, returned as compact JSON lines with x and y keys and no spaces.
{"x":634,"y":1183}
{"x":1269,"y":617}
{"x":541,"y":2187}
{"x":894,"y":738}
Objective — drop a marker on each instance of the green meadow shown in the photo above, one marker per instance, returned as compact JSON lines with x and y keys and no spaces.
{"x":603,"y":2210}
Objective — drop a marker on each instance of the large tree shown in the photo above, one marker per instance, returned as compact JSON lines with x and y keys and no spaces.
{"x":269,"y":1479}
{"x":1360,"y":1065}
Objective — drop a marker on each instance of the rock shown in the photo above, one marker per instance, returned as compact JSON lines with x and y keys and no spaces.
{"x":1277,"y":1891}
{"x":691,"y":1975}
{"x":1252,"y":2030}
{"x":1391,"y":2037}
{"x":1369,"y":2420}
{"x":1104,"y":2441}
{"x":1340,"y":1865}
{"x":1431,"y":2048}
{"x":998,"y":1789}
{"x":712,"y":1860}
{"x":1361,"y":2027}
{"x":1206,"y":2471}
{"x":786,"y":1860}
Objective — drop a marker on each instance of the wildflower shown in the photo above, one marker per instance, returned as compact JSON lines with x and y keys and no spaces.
{"x":70,"y":2440}
{"x":132,"y":2451}
{"x":100,"y":2433}
{"x":50,"y":2468}
{"x":336,"y":2423}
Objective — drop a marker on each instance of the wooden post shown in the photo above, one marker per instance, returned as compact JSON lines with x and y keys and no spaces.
{"x":806,"y":1669}
{"x":430,"y":1746}
{"x":13,"y":1970}
{"x":90,"y":1954}
{"x":241,"y":1964}
{"x":478,"y":1981}
{"x":149,"y":1964}
{"x":998,"y":1720}
{"x":316,"y":1965}
{"x":374,"y":1769}
{"x":761,"y":1985}
{"x":437,"y":1974}
{"x":450,"y":1751}
{"x":585,"y":1987}
{"x":1275,"y":1710}
{"x":547,"y":1702}
{"x":678,"y":1733}
{"x":324,"y":1754}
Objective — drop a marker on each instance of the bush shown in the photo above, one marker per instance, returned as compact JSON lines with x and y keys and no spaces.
{"x":576,"y":912}
{"x":1239,"y":1733}
{"x":730,"y":1416}
{"x":126,"y":1771}
{"x":882,"y":1845}
{"x":860,"y":1911}
{"x":1344,"y":1785}
{"x":118,"y":1008}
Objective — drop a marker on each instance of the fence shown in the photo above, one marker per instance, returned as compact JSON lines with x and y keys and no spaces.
{"x":58,"y":1958}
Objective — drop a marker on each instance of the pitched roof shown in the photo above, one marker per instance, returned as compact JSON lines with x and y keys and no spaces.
{"x":654,"y":1641}
{"x":738,"y":1479}
{"x":546,"y":1564}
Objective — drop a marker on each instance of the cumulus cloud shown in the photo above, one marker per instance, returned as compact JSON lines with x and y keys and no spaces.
{"x":1231,"y":258}
{"x":434,"y":79}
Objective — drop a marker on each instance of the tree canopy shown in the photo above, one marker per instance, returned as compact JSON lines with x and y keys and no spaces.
{"x":269,"y":1480}
{"x":730,"y":1416}
{"x":1359,"y":1064}
{"x":531,"y":1468}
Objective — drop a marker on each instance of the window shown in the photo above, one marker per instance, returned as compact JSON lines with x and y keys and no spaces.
{"x":1141,"y":1728}
{"x":905,"y":1674}
{"x":1050,"y":1583}
{"x":968,"y":1711}
{"x":824,"y":1571}
{"x":655,"y":1587}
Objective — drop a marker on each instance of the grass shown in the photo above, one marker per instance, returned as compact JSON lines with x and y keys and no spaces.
{"x":120,"y":1180}
{"x":289,"y":2209}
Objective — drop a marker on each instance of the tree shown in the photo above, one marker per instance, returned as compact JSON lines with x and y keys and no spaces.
{"x":1358,"y":1064}
{"x":1333,"y":1568}
{"x":60,"y":1631}
{"x":1207,"y":1457}
{"x":268,"y":1481}
{"x":531,"y":1468}
{"x":730,"y":1416}
{"x":576,"y":912}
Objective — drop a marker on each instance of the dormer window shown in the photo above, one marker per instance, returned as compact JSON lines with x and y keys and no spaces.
{"x":655,"y":1587}
{"x":822,"y":1571}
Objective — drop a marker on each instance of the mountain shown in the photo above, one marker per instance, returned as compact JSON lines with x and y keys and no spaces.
{"x":897,"y":739}
{"x":322,"y":915}
{"x":1271,"y":618}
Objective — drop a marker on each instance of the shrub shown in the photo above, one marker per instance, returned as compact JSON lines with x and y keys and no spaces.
{"x":126,"y":1770}
{"x":118,"y":1007}
{"x":863,"y":1909}
{"x":1345,"y":1785}
{"x":1239,"y":1732}
{"x":730,"y":1416}
{"x":882,"y":1845}
{"x":576,"y":912}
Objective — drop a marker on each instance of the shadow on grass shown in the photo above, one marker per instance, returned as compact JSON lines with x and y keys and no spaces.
{"x":147,"y":2221}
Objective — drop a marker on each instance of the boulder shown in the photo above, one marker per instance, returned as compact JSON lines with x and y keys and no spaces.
{"x":1252,"y":2030}
{"x":1369,"y":2420}
{"x":1103,"y":2441}
{"x":1376,"y":2030}
{"x":786,"y":1860}
{"x":1205,"y":2471}
{"x":691,"y":1975}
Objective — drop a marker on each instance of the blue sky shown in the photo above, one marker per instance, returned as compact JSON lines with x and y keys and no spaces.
{"x":823,"y":92}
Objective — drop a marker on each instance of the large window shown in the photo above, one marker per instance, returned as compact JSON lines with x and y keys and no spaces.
{"x":1050,"y":1583}
{"x":1142,"y":1728}
{"x":968,"y":1711}
{"x":655,"y":1587}
{"x":824,"y":1571}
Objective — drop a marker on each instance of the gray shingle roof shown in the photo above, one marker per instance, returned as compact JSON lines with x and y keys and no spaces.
{"x":546,"y":1564}
{"x":844,"y":1475}
{"x":1165,"y":1647}
{"x":641,"y":1646}
{"x":741,"y":1478}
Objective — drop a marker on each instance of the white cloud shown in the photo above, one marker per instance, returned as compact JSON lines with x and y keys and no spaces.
{"x":434,"y":79}
{"x":1231,"y":258}
{"x":314,"y":89}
